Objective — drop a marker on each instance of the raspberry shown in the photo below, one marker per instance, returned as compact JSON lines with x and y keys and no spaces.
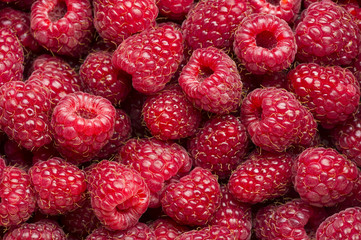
{"x":211,"y":233}
{"x":213,"y":22}
{"x":169,"y":114}
{"x":119,"y":195}
{"x":327,"y":35}
{"x":151,"y":57}
{"x":219,"y":145}
{"x":156,"y":161}
{"x":116,"y":20}
{"x":17,"y":155}
{"x":193,"y":199}
{"x":62,"y":26}
{"x":264,"y":43}
{"x":263,"y":176}
{"x":355,"y":11}
{"x":59,"y":185}
{"x":140,"y":231}
{"x":323,"y":177}
{"x":82,"y":124}
{"x":286,"y":10}
{"x":100,"y":78}
{"x":18,"y":200}
{"x":165,"y":228}
{"x":276,"y":120}
{"x":341,"y":225}
{"x":174,"y":10}
{"x":211,"y":81}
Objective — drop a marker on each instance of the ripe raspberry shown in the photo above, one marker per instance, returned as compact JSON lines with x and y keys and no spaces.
{"x":193,"y":199}
{"x":62,"y":26}
{"x":25,"y":110}
{"x":165,"y":228}
{"x":355,"y":11}
{"x":140,"y":231}
{"x":174,"y":10}
{"x":82,"y":124}
{"x":100,"y":78}
{"x":355,"y":68}
{"x":219,"y":145}
{"x":213,"y":22}
{"x":264,"y":43}
{"x":211,"y":81}
{"x":43,"y":229}
{"x":341,"y":225}
{"x":18,"y":200}
{"x":323,"y":177}
{"x":119,"y":195}
{"x":151,"y":57}
{"x":215,"y":232}
{"x":116,"y":20}
{"x":276,"y":120}
{"x":327,"y":35}
{"x":59,"y":185}
{"x":286,"y":10}
{"x":169,"y":114}
{"x":156,"y":161}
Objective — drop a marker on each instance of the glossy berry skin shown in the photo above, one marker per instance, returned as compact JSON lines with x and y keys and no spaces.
{"x":276,"y":120}
{"x":323,"y":177}
{"x":150,"y":57}
{"x":219,"y":145}
{"x":59,"y":186}
{"x":215,"y":232}
{"x":116,"y":20}
{"x":287,"y":10}
{"x":140,"y":231}
{"x":56,"y":25}
{"x":264,"y":43}
{"x":165,"y":228}
{"x":170,"y":115}
{"x":327,"y":35}
{"x":174,"y":10}
{"x":82,"y":124}
{"x":119,"y":195}
{"x":211,"y":81}
{"x":193,"y":199}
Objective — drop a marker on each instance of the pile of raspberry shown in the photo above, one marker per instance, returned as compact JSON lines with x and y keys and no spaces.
{"x":180,"y":119}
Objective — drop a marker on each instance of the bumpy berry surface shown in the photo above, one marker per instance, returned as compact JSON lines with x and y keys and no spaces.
{"x":323,"y":177}
{"x":286,"y":10}
{"x":193,"y":199}
{"x":174,"y":9}
{"x":276,"y":120}
{"x":215,"y":232}
{"x":327,"y":34}
{"x":264,"y":43}
{"x":119,"y":195}
{"x":82,"y":124}
{"x":211,"y":81}
{"x":17,"y":155}
{"x":116,"y":20}
{"x":151,"y":57}
{"x":219,"y":145}
{"x":165,"y":228}
{"x":62,"y":27}
{"x":140,"y":231}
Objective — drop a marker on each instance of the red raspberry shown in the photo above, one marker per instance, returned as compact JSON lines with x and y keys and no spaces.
{"x":215,"y":232}
{"x":119,"y":195}
{"x":193,"y":199}
{"x":286,"y":10}
{"x":175,"y":10}
{"x":165,"y":228}
{"x":263,"y":176}
{"x":355,"y":68}
{"x":219,"y":145}
{"x":16,"y":155}
{"x":211,"y":81}
{"x":100,"y":78}
{"x":140,"y":231}
{"x":327,"y":34}
{"x":43,"y":229}
{"x":116,"y":20}
{"x":264,"y":43}
{"x":62,"y":26}
{"x":323,"y":177}
{"x":59,"y":185}
{"x":169,"y":114}
{"x":213,"y":22}
{"x":355,"y":11}
{"x":151,"y":57}
{"x":156,"y":161}
{"x":18,"y":200}
{"x":341,"y":225}
{"x":82,"y":124}
{"x":276,"y":120}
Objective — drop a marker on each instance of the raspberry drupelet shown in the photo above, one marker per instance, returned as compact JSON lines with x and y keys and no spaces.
{"x":285,"y":9}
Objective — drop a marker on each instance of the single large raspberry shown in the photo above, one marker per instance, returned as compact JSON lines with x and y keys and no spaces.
{"x":264,"y":43}
{"x":165,"y":228}
{"x":276,"y":120}
{"x":175,"y":10}
{"x":140,"y":231}
{"x":286,"y":9}
{"x":82,"y":124}
{"x":151,"y":57}
{"x":323,"y":177}
{"x":116,"y":20}
{"x":327,"y":34}
{"x":119,"y":195}
{"x":211,"y":81}
{"x":214,"y":232}
{"x":219,"y":145}
{"x":63,"y":26}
